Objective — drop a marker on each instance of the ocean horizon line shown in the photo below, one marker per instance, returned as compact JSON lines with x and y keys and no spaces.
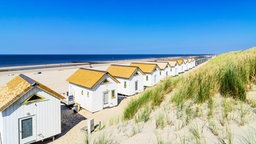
{"x":25,"y":60}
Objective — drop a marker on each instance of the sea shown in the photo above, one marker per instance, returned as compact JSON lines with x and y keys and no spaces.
{"x":24,"y":60}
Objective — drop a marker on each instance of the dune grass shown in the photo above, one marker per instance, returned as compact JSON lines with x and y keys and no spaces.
{"x":153,"y":96}
{"x":230,"y":74}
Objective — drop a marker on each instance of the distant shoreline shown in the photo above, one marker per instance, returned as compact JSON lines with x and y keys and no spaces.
{"x":78,"y":64}
{"x":29,"y":60}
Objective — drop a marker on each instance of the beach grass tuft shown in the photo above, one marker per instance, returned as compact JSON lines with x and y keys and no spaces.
{"x":153,"y":96}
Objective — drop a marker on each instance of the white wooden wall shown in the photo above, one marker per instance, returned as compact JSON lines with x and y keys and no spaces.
{"x":130,"y":84}
{"x":47,"y":113}
{"x":150,"y":81}
{"x":94,"y":102}
{"x":174,"y":71}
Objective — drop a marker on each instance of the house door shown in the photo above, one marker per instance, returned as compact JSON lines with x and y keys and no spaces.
{"x":136,"y":85}
{"x":105,"y":98}
{"x":154,"y":78}
{"x":27,"y":129}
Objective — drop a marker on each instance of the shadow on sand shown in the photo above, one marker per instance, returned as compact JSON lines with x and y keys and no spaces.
{"x":69,"y":119}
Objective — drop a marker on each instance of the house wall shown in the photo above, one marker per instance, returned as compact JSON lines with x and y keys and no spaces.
{"x":47,"y":114}
{"x":168,"y":70}
{"x":189,"y":65}
{"x":94,"y":102}
{"x":84,"y":100}
{"x":97,"y":98}
{"x":130,"y":85}
{"x":174,"y":71}
{"x":151,"y":81}
{"x":180,"y":68}
{"x":186,"y":66}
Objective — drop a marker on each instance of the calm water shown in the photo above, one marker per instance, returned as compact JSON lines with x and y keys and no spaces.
{"x":18,"y":60}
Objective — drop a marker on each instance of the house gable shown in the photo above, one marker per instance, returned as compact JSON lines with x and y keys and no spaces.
{"x":17,"y":87}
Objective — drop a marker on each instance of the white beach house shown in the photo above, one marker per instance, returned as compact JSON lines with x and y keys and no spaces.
{"x":152,"y":73}
{"x":181,"y":66}
{"x":131,"y":79}
{"x":174,"y":67}
{"x":29,"y":111}
{"x":191,"y":63}
{"x":165,"y":69}
{"x":186,"y":64}
{"x":94,"y":90}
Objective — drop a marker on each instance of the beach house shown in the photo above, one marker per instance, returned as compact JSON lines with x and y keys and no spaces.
{"x":174,"y":67}
{"x":181,"y":65}
{"x":165,"y":69}
{"x":190,"y":61}
{"x":186,"y":64}
{"x":152,"y":73}
{"x":193,"y":62}
{"x":131,"y":79}
{"x":93,"y":89}
{"x":29,"y":111}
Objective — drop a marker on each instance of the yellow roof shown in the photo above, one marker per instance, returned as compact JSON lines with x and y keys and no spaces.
{"x":146,"y":67}
{"x":180,"y":61}
{"x":88,"y":77}
{"x":122,"y":71}
{"x":186,"y":60}
{"x":17,"y":87}
{"x":173,"y":63}
{"x":162,"y":65}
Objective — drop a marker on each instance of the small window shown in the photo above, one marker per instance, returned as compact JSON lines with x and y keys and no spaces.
{"x":146,"y":78}
{"x":33,"y":98}
{"x":136,"y":74}
{"x":88,"y":94}
{"x":27,"y":128}
{"x":104,"y":81}
{"x":160,"y":73}
{"x":113,"y":94}
{"x":82,"y":92}
{"x":125,"y":84}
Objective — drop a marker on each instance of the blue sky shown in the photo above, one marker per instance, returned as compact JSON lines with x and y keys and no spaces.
{"x":126,"y":27}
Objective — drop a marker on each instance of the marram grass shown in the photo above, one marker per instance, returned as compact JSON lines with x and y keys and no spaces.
{"x":230,"y":74}
{"x":153,"y":96}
